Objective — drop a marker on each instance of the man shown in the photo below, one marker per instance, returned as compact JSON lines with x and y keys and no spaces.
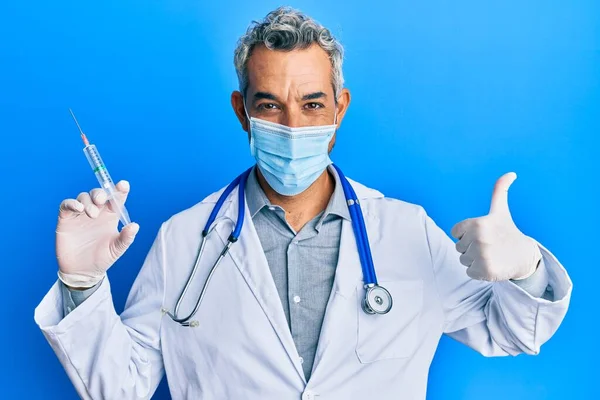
{"x":282,"y":315}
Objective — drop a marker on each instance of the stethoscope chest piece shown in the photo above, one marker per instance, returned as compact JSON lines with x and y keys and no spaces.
{"x":377,"y":300}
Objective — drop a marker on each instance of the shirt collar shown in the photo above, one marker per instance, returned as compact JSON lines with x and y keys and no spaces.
{"x":257,"y":199}
{"x":255,"y":196}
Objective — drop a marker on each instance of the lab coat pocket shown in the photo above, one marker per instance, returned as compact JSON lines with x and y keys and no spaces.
{"x":395,"y":334}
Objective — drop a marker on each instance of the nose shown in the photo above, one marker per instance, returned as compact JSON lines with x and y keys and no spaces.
{"x":292,"y":118}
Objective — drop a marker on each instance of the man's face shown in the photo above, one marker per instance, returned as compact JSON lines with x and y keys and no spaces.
{"x":291,"y":88}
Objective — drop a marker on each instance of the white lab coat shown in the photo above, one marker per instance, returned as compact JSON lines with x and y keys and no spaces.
{"x":243,"y":348}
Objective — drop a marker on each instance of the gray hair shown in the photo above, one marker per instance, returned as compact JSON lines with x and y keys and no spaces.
{"x":287,"y":29}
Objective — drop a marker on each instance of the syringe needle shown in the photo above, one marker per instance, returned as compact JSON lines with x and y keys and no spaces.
{"x":83,"y":137}
{"x":106,"y":182}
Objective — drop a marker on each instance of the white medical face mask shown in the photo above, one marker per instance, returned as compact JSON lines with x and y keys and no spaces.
{"x":290,"y":159}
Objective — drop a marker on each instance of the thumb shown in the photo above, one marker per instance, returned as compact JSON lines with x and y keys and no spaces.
{"x":124,"y":239}
{"x":499,"y":203}
{"x":123,"y":188}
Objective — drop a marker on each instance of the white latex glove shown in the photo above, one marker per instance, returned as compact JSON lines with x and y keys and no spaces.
{"x":492,"y":247}
{"x":88,"y":241}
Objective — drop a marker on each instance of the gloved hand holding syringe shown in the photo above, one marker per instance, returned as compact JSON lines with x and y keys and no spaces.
{"x":106,"y":182}
{"x":88,"y":241}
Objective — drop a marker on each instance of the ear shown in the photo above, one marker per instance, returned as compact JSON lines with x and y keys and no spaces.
{"x":237,"y":102}
{"x":343,"y":102}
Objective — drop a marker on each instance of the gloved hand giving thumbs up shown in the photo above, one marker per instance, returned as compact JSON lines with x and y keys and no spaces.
{"x":88,"y":241}
{"x":492,"y":247}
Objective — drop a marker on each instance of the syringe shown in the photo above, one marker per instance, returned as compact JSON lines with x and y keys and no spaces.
{"x":106,"y":182}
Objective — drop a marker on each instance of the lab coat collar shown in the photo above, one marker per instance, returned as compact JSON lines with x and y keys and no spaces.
{"x":347,"y":242}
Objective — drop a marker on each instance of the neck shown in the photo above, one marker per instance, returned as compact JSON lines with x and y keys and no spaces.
{"x":303,"y":207}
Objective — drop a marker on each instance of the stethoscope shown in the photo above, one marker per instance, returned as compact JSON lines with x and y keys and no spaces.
{"x":376,"y":300}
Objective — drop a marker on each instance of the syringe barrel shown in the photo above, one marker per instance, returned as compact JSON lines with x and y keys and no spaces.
{"x":93,"y":157}
{"x":106,"y":183}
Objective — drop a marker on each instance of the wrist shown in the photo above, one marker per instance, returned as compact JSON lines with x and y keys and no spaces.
{"x":528,"y":274}
{"x":536,"y":264}
{"x":79,"y":282}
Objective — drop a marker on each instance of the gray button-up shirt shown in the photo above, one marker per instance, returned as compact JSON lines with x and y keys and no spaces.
{"x":302,"y":263}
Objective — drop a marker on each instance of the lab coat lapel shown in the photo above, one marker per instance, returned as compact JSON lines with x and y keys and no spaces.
{"x":338,"y":313}
{"x":248,"y":255}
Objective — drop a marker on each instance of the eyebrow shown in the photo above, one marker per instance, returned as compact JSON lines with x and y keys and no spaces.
{"x":314,"y":96}
{"x":264,"y":95}
{"x":270,"y":96}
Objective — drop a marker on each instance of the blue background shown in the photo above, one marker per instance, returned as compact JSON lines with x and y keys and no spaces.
{"x":447,"y":96}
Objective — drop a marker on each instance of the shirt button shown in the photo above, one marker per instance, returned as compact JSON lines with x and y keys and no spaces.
{"x":272,"y":208}
{"x":301,"y":360}
{"x":69,"y":309}
{"x":296,"y":299}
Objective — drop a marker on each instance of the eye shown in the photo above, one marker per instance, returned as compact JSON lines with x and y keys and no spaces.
{"x":267,"y":106}
{"x":313,"y":106}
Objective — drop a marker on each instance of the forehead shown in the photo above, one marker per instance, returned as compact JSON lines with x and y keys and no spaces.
{"x":281,"y":71}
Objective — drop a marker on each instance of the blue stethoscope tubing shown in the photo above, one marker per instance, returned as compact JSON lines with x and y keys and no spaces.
{"x":360,"y":232}
{"x":233,"y":237}
{"x":377,"y":300}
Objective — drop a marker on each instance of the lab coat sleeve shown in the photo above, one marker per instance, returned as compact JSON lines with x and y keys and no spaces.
{"x":73,"y":298}
{"x":499,"y":318}
{"x":108,"y":356}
